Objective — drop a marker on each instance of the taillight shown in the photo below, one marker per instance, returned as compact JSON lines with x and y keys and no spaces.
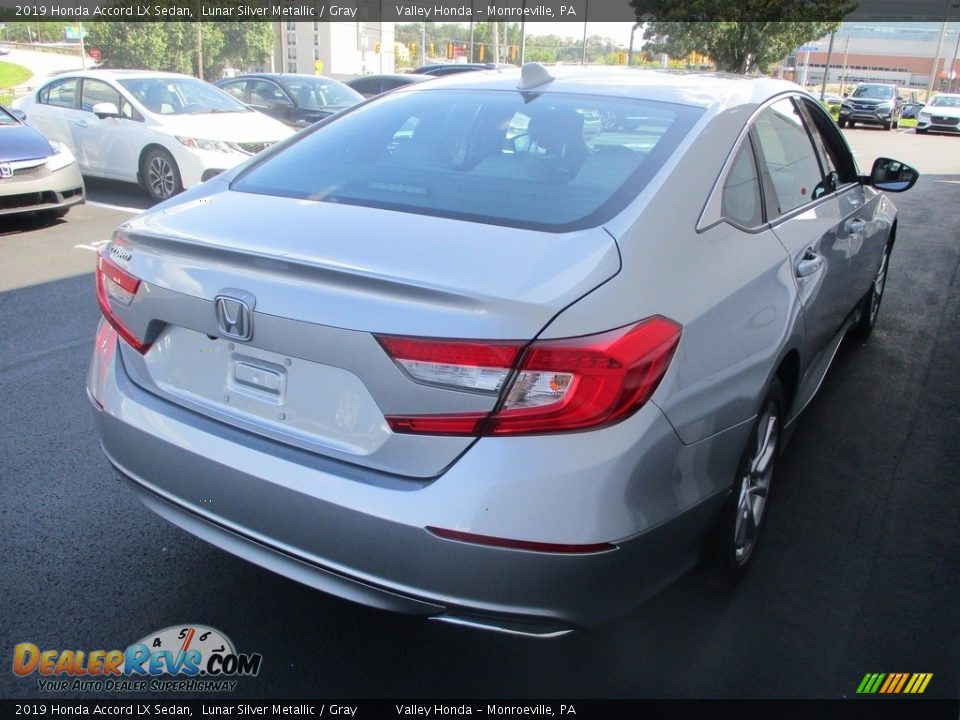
{"x":554,"y":386}
{"x":116,"y":285}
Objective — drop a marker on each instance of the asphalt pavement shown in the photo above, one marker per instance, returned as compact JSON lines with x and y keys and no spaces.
{"x":857,"y":571}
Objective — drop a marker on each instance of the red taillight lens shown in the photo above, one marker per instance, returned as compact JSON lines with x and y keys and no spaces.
{"x":114,"y":284}
{"x":558,"y":385}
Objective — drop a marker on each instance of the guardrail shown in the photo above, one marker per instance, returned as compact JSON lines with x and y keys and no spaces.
{"x":53,"y":49}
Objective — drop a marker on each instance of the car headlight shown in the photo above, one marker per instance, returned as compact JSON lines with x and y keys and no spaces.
{"x":885,"y":106}
{"x":61,"y":156}
{"x":847,"y":104}
{"x":923,"y":114}
{"x":201,"y":144}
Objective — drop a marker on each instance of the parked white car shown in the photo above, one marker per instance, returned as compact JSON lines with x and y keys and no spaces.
{"x":166,"y":131}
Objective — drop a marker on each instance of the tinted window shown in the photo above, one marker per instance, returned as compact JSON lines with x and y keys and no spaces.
{"x":788,"y":156}
{"x":832,"y":149}
{"x":234,"y":88}
{"x":366,"y":86}
{"x":321,"y":93}
{"x":552,"y":161}
{"x":97,"y":91}
{"x":874,"y":92}
{"x":741,"y":191}
{"x":61,"y":94}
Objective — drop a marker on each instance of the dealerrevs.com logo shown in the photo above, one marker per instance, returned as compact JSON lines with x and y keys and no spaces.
{"x":180,"y":658}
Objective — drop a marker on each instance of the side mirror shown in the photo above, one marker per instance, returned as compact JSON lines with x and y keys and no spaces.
{"x":105,"y":110}
{"x":891,"y":175}
{"x":19,"y":114}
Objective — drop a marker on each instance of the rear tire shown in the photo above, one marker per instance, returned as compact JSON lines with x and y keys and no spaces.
{"x":742,"y":518}
{"x":870,"y":304}
{"x":886,"y":125}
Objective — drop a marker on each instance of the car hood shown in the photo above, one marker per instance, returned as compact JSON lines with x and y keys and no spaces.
{"x":229,"y":127}
{"x":944,"y":111}
{"x":20,"y":142}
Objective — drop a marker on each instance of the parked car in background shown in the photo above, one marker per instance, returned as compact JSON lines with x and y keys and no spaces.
{"x":370,"y":85}
{"x":909,"y":110}
{"x":441,"y":69}
{"x":415,"y":363}
{"x":832,"y":99}
{"x":871,"y":104}
{"x":36,"y":174}
{"x":297,"y":100}
{"x":163,"y":130}
{"x":941,"y":114}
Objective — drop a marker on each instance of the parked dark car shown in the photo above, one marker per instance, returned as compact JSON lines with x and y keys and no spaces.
{"x":439,"y":69}
{"x":910,"y":109}
{"x":297,"y":100}
{"x":370,"y":85}
{"x":871,"y":104}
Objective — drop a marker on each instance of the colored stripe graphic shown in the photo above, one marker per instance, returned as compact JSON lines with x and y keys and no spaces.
{"x":894,"y":683}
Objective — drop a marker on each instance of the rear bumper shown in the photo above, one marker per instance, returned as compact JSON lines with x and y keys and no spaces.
{"x":361,"y":535}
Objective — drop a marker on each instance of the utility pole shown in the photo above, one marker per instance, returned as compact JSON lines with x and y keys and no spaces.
{"x":200,"y":50}
{"x":583,"y":57}
{"x":843,"y":73}
{"x":953,"y":66}
{"x":826,"y":70}
{"x":633,"y":32}
{"x":495,"y":26}
{"x":423,"y":44}
{"x":83,"y":48}
{"x":936,"y":57}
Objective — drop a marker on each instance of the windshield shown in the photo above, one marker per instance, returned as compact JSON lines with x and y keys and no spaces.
{"x":874,"y":92}
{"x":552,"y":161}
{"x":944,"y":101}
{"x":181,"y":96}
{"x":321,"y":93}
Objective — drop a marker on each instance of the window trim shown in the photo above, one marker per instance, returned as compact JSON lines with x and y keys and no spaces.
{"x":712,"y":213}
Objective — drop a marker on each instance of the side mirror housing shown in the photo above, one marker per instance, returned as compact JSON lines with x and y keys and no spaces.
{"x":18,"y":114}
{"x":105,"y":110}
{"x":891,"y":175}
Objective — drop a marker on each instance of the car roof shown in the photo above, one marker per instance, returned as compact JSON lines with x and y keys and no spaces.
{"x":111,"y":74}
{"x":699,"y":89}
{"x":275,"y":76}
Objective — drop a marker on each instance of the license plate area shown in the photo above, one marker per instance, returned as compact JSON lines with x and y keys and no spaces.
{"x":289,"y":398}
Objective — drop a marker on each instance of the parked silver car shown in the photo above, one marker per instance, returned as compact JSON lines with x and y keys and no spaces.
{"x":414,"y":360}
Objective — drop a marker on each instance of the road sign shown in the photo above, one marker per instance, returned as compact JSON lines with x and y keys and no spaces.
{"x":808,"y":48}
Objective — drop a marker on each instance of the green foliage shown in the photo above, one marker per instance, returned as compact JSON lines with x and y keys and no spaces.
{"x":737,"y":47}
{"x":172,"y":46}
{"x":11,"y":75}
{"x":28,"y":31}
{"x":539,"y":48}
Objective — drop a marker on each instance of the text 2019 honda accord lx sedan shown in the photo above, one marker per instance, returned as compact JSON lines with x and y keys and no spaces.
{"x":454,"y":354}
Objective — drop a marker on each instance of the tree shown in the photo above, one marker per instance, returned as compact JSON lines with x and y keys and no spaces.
{"x":737,"y":47}
{"x":761,"y":32}
{"x":172,"y":46}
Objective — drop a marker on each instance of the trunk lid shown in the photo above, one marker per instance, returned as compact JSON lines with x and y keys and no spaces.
{"x":324,"y":278}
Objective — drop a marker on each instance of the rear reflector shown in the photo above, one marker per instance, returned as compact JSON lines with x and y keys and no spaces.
{"x":114,"y":284}
{"x":559,"y":548}
{"x":556,"y":385}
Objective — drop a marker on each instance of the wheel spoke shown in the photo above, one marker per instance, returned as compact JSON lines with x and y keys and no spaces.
{"x":766,"y":447}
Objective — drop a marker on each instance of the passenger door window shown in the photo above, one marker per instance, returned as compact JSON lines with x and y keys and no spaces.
{"x":236,"y":89}
{"x":788,"y":156}
{"x":97,"y":91}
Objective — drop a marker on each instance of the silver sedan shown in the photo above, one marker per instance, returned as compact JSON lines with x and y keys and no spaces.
{"x":456,"y":353}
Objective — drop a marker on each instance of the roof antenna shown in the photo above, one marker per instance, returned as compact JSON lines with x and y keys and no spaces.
{"x":532,"y":75}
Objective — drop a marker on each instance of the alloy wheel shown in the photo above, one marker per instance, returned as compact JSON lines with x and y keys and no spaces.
{"x":755,"y":484}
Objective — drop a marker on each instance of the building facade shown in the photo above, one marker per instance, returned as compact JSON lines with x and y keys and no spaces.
{"x":336,"y":49}
{"x":906,"y":54}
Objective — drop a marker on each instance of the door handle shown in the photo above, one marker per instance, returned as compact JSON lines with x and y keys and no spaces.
{"x":810,"y":263}
{"x":855,"y":227}
{"x":80,"y":123}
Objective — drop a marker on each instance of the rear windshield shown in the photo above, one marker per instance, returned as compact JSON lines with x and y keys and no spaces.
{"x":551,"y":161}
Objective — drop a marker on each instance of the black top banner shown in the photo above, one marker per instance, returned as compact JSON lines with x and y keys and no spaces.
{"x":475,"y":10}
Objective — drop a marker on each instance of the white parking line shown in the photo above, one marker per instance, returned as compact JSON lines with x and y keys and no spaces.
{"x":115,"y":207}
